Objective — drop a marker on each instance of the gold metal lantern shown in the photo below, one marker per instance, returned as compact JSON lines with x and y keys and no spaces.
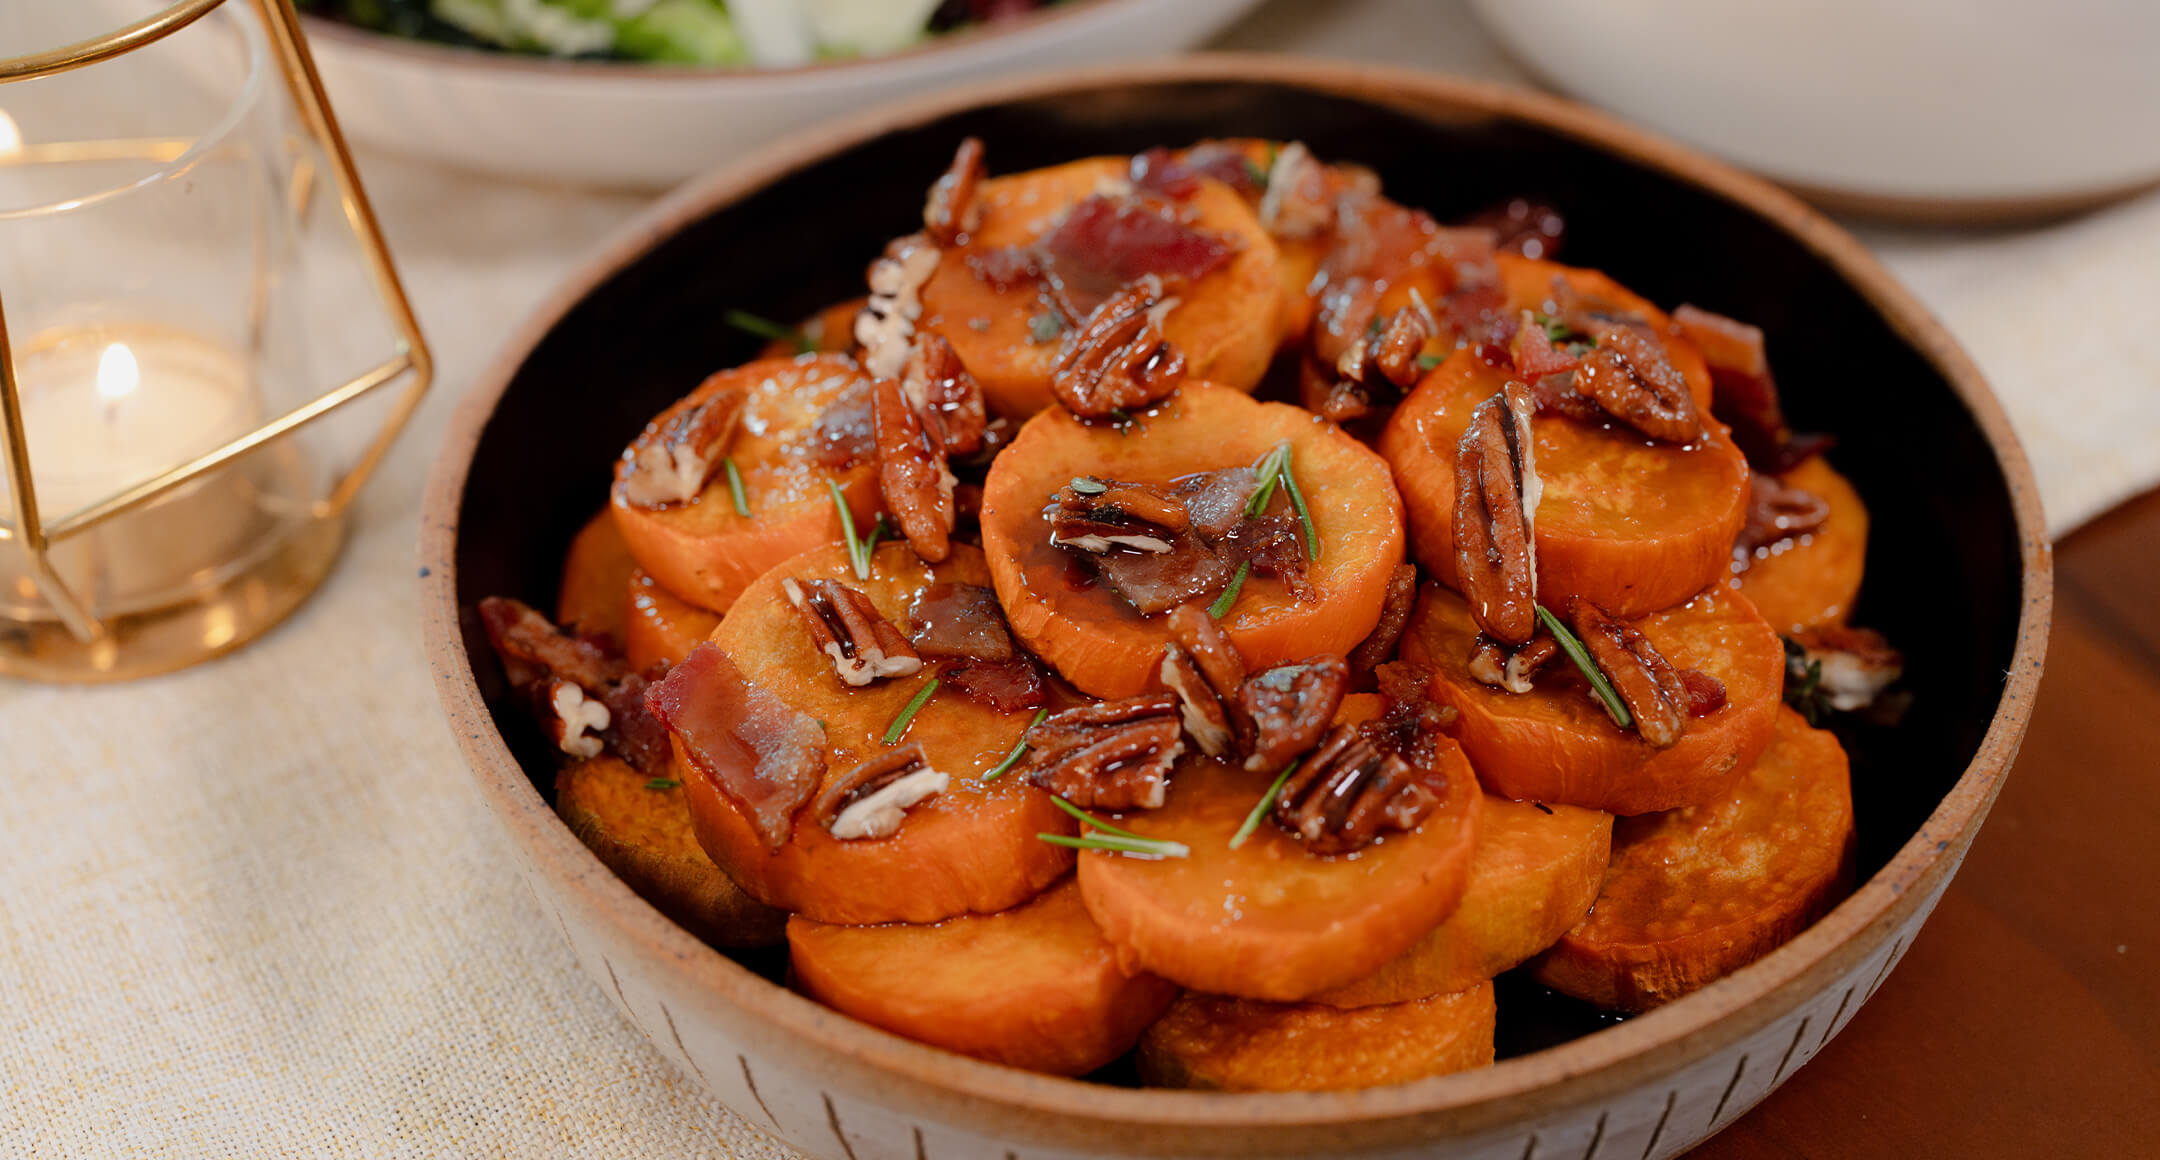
{"x":169,"y":494}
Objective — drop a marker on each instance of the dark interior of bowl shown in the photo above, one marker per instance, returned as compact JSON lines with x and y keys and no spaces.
{"x":1943,"y":560}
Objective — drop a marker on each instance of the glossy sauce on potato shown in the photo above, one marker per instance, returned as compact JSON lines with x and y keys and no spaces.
{"x":1811,"y":580}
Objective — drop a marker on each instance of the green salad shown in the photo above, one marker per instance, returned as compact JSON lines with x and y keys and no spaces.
{"x":747,"y":33}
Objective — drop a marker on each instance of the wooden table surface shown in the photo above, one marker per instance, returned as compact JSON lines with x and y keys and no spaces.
{"x":2025,"y":1020}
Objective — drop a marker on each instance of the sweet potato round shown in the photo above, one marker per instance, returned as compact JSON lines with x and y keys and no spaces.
{"x":705,"y":553}
{"x":1631,"y":525}
{"x":1533,"y":876}
{"x":1812,"y":580}
{"x":1035,"y":987}
{"x":1556,"y":745}
{"x":1269,"y":920}
{"x":1695,"y":894}
{"x":641,"y":831}
{"x":1528,"y":285}
{"x":971,"y":849}
{"x":1107,"y":648}
{"x":1226,"y":324}
{"x":659,"y":625}
{"x":589,"y":601}
{"x":1213,"y":1042}
{"x":829,"y":331}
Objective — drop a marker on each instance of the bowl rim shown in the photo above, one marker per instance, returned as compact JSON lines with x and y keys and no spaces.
{"x":1057,"y":18}
{"x":1598,"y":1066}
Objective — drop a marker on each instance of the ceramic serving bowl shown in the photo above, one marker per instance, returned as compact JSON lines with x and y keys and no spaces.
{"x":1958,"y":576}
{"x":636,"y":125}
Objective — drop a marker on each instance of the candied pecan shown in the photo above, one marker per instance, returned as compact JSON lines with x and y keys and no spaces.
{"x":913,"y":476}
{"x":1775,"y":512}
{"x":1508,"y":668}
{"x":885,"y":326}
{"x":1101,"y":515}
{"x":1380,"y":365}
{"x":1413,"y":719}
{"x":935,"y":383}
{"x":846,"y":627}
{"x":584,"y":694}
{"x":1289,"y":707}
{"x":1111,"y":755}
{"x":1348,"y":791}
{"x":871,"y":799}
{"x":1646,"y":681}
{"x":673,"y":463}
{"x":577,"y":721}
{"x":1202,"y":636}
{"x":1495,"y":522}
{"x":1205,"y":718}
{"x":1630,"y":377}
{"x":1379,"y":644}
{"x":1118,"y":359}
{"x":950,"y":212}
{"x":1857,"y":664}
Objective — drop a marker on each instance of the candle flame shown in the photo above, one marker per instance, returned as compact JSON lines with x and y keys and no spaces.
{"x":10,"y":137}
{"x":117,"y":374}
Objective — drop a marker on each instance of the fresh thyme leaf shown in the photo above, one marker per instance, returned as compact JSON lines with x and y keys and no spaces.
{"x":900,"y":723}
{"x":1257,"y":174}
{"x":1222,"y":604}
{"x":735,"y":488}
{"x":1807,"y":695}
{"x":1045,"y":327}
{"x":1266,"y":803}
{"x":1561,"y":334}
{"x":1011,"y":759}
{"x":857,"y":557}
{"x":764,"y":327}
{"x":1573,"y":646}
{"x":1297,"y":500}
{"x":1427,"y":362}
{"x":662,"y":783}
{"x":1089,"y":485}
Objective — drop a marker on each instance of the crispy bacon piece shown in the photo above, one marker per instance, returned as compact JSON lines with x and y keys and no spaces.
{"x":1534,"y":354}
{"x":1857,"y":664}
{"x":536,"y":656}
{"x":1178,"y":175}
{"x":959,"y":622}
{"x":1413,"y":718}
{"x":1510,"y":668}
{"x":1007,"y":686}
{"x":1160,"y":581}
{"x":1744,"y":396}
{"x":766,"y":757}
{"x":846,"y":434}
{"x":1159,"y":547}
{"x":1105,"y":244}
{"x":1523,"y":226}
{"x":1705,"y":693}
{"x":950,"y":211}
{"x":1776,"y":512}
{"x":1275,"y":546}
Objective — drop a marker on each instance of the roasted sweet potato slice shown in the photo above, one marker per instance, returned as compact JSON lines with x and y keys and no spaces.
{"x":1630,"y":525}
{"x":969,"y":849}
{"x":1269,"y":920}
{"x":659,"y":625}
{"x":1533,"y":876}
{"x":1812,"y":580}
{"x":829,"y":331}
{"x":702,"y":550}
{"x":639,"y":827}
{"x":1695,"y":894}
{"x":1555,"y":744}
{"x":1035,"y":986}
{"x":1225,"y":323}
{"x":1101,"y":643}
{"x":1209,"y":1041}
{"x":589,"y":602}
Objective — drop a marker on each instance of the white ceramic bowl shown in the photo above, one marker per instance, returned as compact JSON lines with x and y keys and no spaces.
{"x":1919,"y":106}
{"x":649,"y":126}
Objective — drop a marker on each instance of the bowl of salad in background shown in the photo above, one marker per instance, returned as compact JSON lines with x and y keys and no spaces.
{"x":644,"y":93}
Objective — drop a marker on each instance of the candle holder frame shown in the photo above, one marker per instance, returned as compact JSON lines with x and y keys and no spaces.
{"x":84,"y":647}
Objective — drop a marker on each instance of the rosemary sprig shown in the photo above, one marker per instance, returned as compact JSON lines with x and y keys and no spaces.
{"x":858,"y":551}
{"x":1020,"y":747}
{"x":1573,"y":646}
{"x":1297,"y":500}
{"x":900,"y":723}
{"x":1807,"y":695}
{"x":1045,"y":327}
{"x":662,"y":783}
{"x":1428,"y":362}
{"x":1267,"y":802}
{"x":1112,"y":839}
{"x":1222,"y":604}
{"x":735,"y":488}
{"x":763,"y":327}
{"x":1269,"y":469}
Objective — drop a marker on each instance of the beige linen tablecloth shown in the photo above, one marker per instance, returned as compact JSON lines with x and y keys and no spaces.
{"x":255,"y":909}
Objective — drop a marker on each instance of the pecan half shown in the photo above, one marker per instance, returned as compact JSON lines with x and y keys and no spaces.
{"x":1348,"y":791}
{"x":577,"y":721}
{"x":1202,"y":636}
{"x":1629,"y":376}
{"x":1112,"y":755}
{"x":913,"y":474}
{"x":674,"y":462}
{"x":1202,"y":711}
{"x":951,"y":212}
{"x":1118,"y":360}
{"x":1508,"y":668}
{"x":885,"y":326}
{"x":1495,"y":521}
{"x":1647,"y":682}
{"x":585,"y":695}
{"x":936,"y":383}
{"x":1379,"y":366}
{"x":1858,"y":664}
{"x":1413,"y":719}
{"x":1104,"y":515}
{"x":1775,"y":512}
{"x":846,"y":627}
{"x":1379,"y":644}
{"x":1289,"y":707}
{"x":871,"y":799}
